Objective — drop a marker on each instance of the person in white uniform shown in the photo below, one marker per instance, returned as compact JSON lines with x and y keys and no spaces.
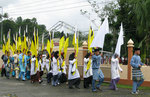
{"x":46,"y":62}
{"x":50,"y":73}
{"x":63,"y":67}
{"x":87,"y":74}
{"x":115,"y":76}
{"x":55,"y":69}
{"x":73,"y":73}
{"x":39,"y":69}
{"x":44,"y":57}
{"x":32,"y":71}
{"x":16,"y":69}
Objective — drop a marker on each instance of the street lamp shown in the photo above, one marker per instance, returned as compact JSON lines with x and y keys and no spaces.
{"x":1,"y":24}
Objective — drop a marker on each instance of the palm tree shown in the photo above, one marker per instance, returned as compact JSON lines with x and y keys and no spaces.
{"x":141,"y":9}
{"x":5,"y":15}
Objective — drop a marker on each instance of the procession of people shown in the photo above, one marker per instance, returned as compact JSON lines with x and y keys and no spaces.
{"x":23,"y":64}
{"x":28,"y":62}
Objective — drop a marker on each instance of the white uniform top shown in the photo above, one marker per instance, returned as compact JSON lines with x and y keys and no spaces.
{"x":44,"y":60}
{"x":114,"y":68}
{"x":47,"y":64}
{"x":71,"y":67}
{"x":15,"y":58}
{"x":89,"y":72}
{"x":32,"y":71}
{"x":55,"y":67}
{"x":64,"y":68}
{"x":60,"y":65}
{"x":40,"y":65}
{"x":51,"y":70}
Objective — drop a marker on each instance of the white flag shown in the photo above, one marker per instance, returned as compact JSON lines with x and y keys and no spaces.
{"x":120,"y":41}
{"x":98,"y":40}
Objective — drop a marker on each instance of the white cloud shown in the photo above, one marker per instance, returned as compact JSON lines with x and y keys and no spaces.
{"x":49,"y":12}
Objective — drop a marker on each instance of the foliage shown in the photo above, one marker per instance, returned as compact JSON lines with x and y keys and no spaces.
{"x":19,"y":22}
{"x":134,"y":14}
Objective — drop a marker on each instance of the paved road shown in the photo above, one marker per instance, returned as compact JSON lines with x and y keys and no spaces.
{"x":14,"y":88}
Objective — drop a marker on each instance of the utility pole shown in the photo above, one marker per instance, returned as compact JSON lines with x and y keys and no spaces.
{"x":1,"y":23}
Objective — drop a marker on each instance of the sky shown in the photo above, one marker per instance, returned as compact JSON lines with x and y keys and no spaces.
{"x":49,"y":12}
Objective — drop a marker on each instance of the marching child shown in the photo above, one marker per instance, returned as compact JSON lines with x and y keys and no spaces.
{"x":87,"y":74}
{"x":73,"y":73}
{"x":115,"y":76}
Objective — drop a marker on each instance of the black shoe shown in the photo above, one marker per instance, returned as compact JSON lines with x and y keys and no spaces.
{"x":99,"y":89}
{"x":71,"y":88}
{"x":94,"y":90}
{"x":86,"y":87}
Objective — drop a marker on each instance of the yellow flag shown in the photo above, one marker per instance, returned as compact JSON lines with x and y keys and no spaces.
{"x":61,"y":43}
{"x":88,"y":66}
{"x":22,"y":46}
{"x":16,"y":41}
{"x":32,"y":48}
{"x":77,"y":48}
{"x":36,"y":64}
{"x":73,"y":41}
{"x":8,"y":41}
{"x":76,"y":64}
{"x":3,"y":48}
{"x":63,"y":64}
{"x":58,"y":64}
{"x":19,"y":38}
{"x":34,"y":36}
{"x":65,"y":47}
{"x":48,"y":47}
{"x":90,"y":39}
{"x":25,"y":42}
{"x":37,"y":40}
{"x":52,"y":45}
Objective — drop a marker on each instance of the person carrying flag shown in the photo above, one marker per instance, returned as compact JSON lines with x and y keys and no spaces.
{"x":8,"y":65}
{"x":55,"y":69}
{"x":22,"y":64}
{"x":87,"y":70}
{"x":73,"y":73}
{"x":28,"y":65}
{"x":97,"y":72}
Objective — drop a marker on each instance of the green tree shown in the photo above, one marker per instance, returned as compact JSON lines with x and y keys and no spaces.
{"x":142,"y":13}
{"x":9,"y":24}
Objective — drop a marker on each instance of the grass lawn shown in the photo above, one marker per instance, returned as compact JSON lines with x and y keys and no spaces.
{"x":127,"y":86}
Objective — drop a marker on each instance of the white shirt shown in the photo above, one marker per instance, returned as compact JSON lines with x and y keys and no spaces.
{"x":72,"y":67}
{"x":55,"y":67}
{"x":15,"y":58}
{"x":89,"y":72}
{"x":47,"y":63}
{"x":40,"y":65}
{"x":44,"y":60}
{"x":32,"y":71}
{"x":64,"y":68}
{"x":114,"y":68}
